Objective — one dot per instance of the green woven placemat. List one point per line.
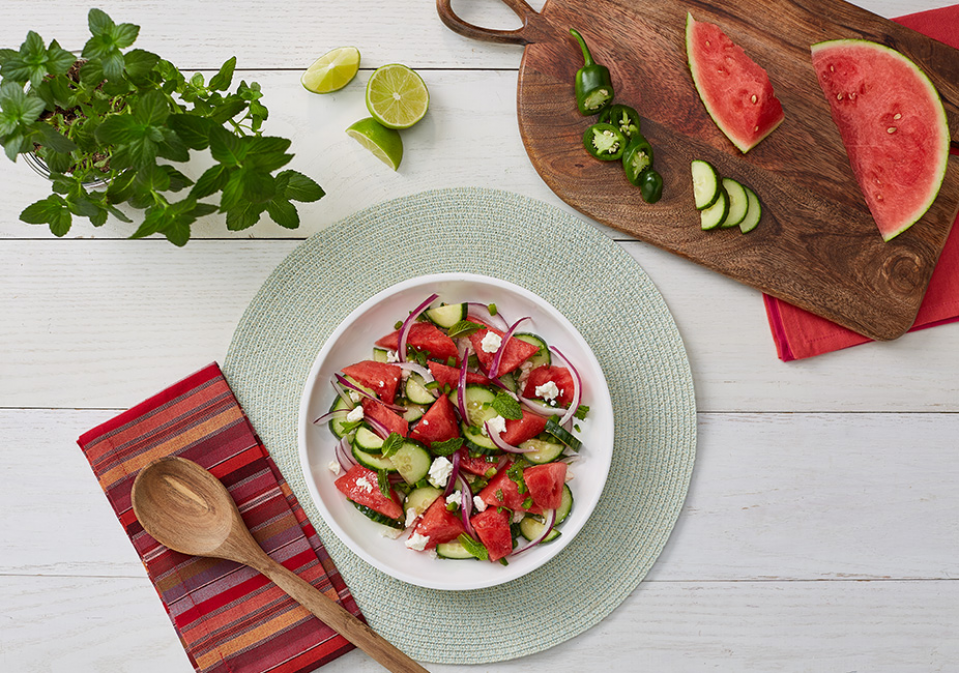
(616, 308)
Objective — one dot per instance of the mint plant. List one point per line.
(126, 116)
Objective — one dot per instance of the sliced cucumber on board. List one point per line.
(706, 184)
(753, 214)
(713, 216)
(738, 203)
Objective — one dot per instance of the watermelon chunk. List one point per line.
(380, 377)
(519, 430)
(492, 527)
(502, 491)
(438, 424)
(359, 484)
(892, 124)
(423, 336)
(558, 375)
(477, 465)
(545, 484)
(516, 351)
(391, 420)
(450, 376)
(439, 524)
(735, 89)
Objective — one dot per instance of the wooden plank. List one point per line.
(817, 246)
(104, 323)
(848, 496)
(110, 625)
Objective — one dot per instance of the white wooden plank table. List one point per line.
(821, 531)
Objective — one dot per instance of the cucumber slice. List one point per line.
(542, 451)
(738, 203)
(412, 461)
(379, 355)
(374, 461)
(706, 184)
(379, 518)
(562, 434)
(420, 499)
(453, 549)
(478, 401)
(753, 213)
(414, 412)
(540, 358)
(477, 441)
(715, 215)
(416, 390)
(565, 506)
(336, 424)
(531, 526)
(447, 315)
(367, 440)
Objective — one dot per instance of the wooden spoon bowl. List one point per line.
(190, 511)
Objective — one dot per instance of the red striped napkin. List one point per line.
(230, 618)
(799, 334)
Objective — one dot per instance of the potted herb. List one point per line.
(111, 124)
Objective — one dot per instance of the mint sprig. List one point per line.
(507, 407)
(463, 328)
(447, 447)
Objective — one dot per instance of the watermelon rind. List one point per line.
(888, 226)
(744, 141)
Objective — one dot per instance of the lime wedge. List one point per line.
(396, 96)
(332, 71)
(383, 142)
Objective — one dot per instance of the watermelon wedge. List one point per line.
(892, 124)
(735, 90)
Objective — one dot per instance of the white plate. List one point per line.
(353, 340)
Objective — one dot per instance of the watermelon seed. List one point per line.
(753, 99)
(897, 116)
(891, 129)
(839, 96)
(832, 68)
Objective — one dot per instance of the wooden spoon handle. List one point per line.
(530, 31)
(341, 621)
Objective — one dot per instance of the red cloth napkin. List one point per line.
(800, 334)
(230, 618)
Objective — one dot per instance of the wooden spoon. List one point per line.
(190, 511)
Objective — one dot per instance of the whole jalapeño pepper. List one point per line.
(594, 86)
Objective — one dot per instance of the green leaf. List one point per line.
(178, 180)
(462, 328)
(153, 178)
(222, 80)
(283, 213)
(197, 80)
(16, 144)
(243, 216)
(446, 448)
(152, 109)
(6, 54)
(267, 163)
(226, 111)
(474, 547)
(301, 187)
(172, 148)
(194, 131)
(383, 481)
(212, 181)
(124, 35)
(56, 141)
(153, 220)
(51, 210)
(139, 63)
(121, 187)
(507, 407)
(99, 22)
(91, 73)
(392, 444)
(515, 473)
(113, 64)
(59, 60)
(226, 147)
(232, 195)
(119, 130)
(258, 187)
(266, 145)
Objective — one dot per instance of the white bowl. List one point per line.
(353, 340)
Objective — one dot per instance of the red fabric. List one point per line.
(230, 618)
(799, 334)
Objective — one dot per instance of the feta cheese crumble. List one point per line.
(354, 396)
(479, 504)
(497, 424)
(335, 467)
(392, 356)
(491, 342)
(549, 391)
(356, 414)
(417, 542)
(410, 516)
(365, 484)
(455, 498)
(440, 472)
(391, 533)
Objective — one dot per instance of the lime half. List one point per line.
(332, 71)
(383, 142)
(396, 96)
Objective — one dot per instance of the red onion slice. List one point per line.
(381, 430)
(408, 323)
(461, 389)
(577, 387)
(451, 482)
(345, 396)
(481, 311)
(344, 455)
(330, 415)
(345, 382)
(500, 444)
(550, 516)
(416, 368)
(466, 505)
(494, 367)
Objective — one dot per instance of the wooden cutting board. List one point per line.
(817, 246)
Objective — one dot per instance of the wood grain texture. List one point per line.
(817, 246)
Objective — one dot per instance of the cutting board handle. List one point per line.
(531, 30)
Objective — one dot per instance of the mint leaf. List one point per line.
(383, 481)
(225, 147)
(392, 444)
(283, 213)
(212, 181)
(515, 473)
(462, 328)
(99, 22)
(50, 137)
(51, 210)
(193, 130)
(301, 188)
(124, 35)
(507, 407)
(446, 448)
(474, 547)
(222, 80)
(59, 60)
(139, 63)
(243, 216)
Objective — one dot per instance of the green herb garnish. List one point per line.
(392, 444)
(507, 407)
(447, 447)
(474, 547)
(462, 328)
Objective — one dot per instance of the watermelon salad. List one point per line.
(458, 433)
